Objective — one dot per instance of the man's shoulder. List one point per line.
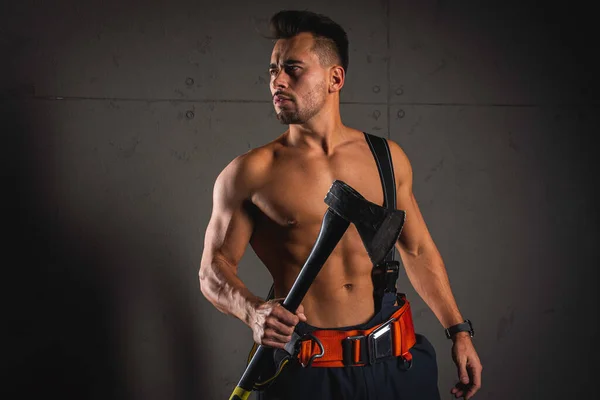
(400, 161)
(255, 160)
(249, 169)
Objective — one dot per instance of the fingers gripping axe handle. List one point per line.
(379, 229)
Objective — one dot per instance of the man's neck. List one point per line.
(323, 132)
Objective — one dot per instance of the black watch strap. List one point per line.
(462, 327)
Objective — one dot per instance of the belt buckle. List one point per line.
(380, 343)
(350, 339)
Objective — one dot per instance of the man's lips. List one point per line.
(278, 99)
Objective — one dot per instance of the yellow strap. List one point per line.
(259, 384)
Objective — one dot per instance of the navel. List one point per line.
(348, 286)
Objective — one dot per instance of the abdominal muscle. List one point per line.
(337, 300)
(341, 294)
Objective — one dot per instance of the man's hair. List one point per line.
(331, 41)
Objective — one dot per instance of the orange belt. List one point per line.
(335, 348)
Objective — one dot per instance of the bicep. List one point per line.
(415, 237)
(230, 227)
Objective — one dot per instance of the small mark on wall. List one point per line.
(203, 46)
(415, 126)
(126, 151)
(418, 313)
(180, 155)
(261, 80)
(435, 168)
(505, 325)
(511, 142)
(441, 65)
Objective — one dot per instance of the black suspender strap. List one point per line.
(381, 151)
(385, 274)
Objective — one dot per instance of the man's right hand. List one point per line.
(272, 325)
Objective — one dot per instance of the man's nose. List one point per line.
(279, 80)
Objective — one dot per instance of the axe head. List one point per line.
(378, 227)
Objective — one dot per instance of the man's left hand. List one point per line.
(469, 366)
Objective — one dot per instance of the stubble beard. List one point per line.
(289, 117)
(315, 100)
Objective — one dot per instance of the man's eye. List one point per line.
(291, 68)
(272, 71)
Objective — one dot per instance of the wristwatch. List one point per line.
(462, 327)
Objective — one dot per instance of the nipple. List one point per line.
(292, 222)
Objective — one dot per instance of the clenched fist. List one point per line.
(272, 325)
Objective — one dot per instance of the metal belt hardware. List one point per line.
(378, 345)
(385, 276)
(391, 276)
(318, 355)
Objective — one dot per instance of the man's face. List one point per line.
(298, 81)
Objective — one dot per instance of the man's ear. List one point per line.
(337, 79)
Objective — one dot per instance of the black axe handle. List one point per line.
(332, 230)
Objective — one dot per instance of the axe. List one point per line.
(378, 227)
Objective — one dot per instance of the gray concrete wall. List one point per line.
(118, 116)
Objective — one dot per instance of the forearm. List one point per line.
(224, 289)
(427, 274)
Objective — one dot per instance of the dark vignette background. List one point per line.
(117, 116)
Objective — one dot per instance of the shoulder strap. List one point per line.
(381, 152)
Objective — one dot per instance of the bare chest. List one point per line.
(294, 195)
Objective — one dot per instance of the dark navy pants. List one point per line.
(384, 380)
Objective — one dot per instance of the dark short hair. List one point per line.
(331, 41)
